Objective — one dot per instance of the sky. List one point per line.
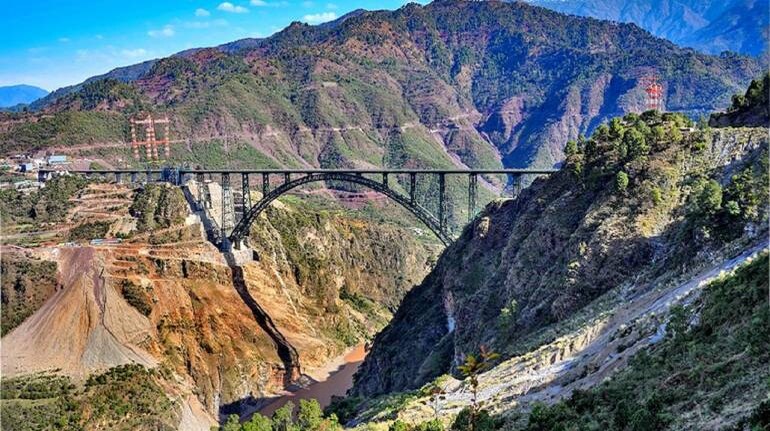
(55, 43)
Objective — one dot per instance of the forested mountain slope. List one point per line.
(453, 83)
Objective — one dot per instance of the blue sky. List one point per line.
(54, 43)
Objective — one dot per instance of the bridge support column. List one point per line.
(265, 184)
(286, 178)
(412, 187)
(118, 177)
(385, 179)
(226, 204)
(246, 194)
(442, 200)
(133, 177)
(148, 175)
(472, 186)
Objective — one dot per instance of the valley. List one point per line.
(453, 216)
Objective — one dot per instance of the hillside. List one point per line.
(643, 204)
(202, 335)
(453, 83)
(708, 26)
(13, 95)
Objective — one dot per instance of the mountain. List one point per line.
(577, 274)
(709, 26)
(453, 83)
(13, 95)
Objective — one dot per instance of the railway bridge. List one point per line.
(399, 185)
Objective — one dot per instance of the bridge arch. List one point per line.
(241, 230)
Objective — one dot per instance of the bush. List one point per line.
(621, 181)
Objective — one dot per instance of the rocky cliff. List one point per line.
(646, 198)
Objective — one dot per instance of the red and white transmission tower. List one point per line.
(150, 137)
(654, 90)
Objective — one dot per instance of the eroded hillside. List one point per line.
(164, 298)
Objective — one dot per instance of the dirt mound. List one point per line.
(84, 327)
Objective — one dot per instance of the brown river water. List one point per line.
(337, 382)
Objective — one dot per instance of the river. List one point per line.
(338, 379)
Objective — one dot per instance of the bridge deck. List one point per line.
(318, 171)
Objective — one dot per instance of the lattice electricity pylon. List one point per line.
(654, 90)
(150, 137)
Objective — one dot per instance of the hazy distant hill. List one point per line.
(710, 26)
(13, 95)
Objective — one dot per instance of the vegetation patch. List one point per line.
(90, 230)
(127, 397)
(158, 206)
(25, 284)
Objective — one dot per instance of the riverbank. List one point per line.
(334, 379)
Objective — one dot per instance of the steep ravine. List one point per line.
(285, 350)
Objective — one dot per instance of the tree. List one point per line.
(431, 425)
(398, 425)
(635, 143)
(310, 416)
(571, 148)
(616, 129)
(257, 423)
(232, 424)
(471, 369)
(463, 421)
(621, 181)
(282, 418)
(710, 198)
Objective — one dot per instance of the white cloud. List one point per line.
(258, 3)
(166, 31)
(331, 6)
(308, 4)
(229, 7)
(318, 18)
(64, 39)
(202, 12)
(99, 37)
(134, 53)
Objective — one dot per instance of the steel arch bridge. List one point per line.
(229, 233)
(436, 225)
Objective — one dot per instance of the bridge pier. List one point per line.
(412, 187)
(118, 177)
(265, 184)
(472, 187)
(227, 204)
(442, 201)
(385, 179)
(245, 192)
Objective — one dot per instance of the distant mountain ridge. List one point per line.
(710, 26)
(451, 84)
(13, 95)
